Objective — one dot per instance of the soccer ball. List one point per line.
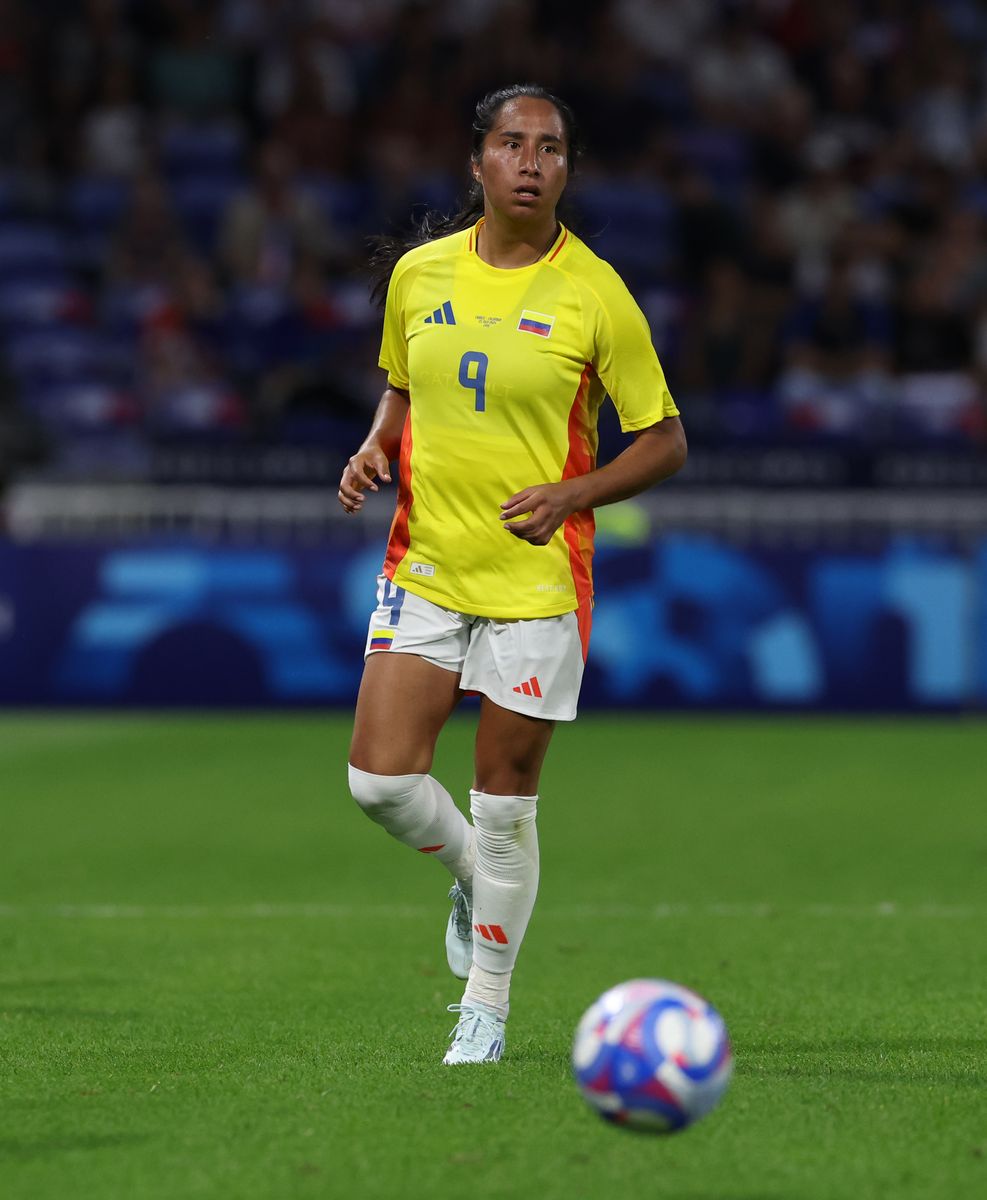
(652, 1055)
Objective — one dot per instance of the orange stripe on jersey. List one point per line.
(565, 235)
(580, 527)
(399, 538)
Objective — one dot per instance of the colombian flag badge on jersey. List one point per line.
(534, 322)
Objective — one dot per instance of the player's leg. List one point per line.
(406, 696)
(403, 704)
(529, 673)
(510, 750)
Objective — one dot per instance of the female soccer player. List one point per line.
(503, 333)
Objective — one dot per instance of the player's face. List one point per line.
(524, 166)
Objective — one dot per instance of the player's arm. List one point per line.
(656, 453)
(380, 448)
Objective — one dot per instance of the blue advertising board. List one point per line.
(686, 621)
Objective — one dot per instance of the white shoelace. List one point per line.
(461, 912)
(473, 1024)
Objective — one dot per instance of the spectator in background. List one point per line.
(779, 147)
(619, 115)
(850, 116)
(942, 116)
(183, 387)
(194, 74)
(252, 25)
(738, 74)
(769, 272)
(83, 45)
(717, 356)
(838, 358)
(668, 32)
(311, 117)
(16, 101)
(149, 247)
(274, 226)
(310, 56)
(113, 132)
(708, 230)
(979, 415)
(814, 212)
(410, 135)
(934, 354)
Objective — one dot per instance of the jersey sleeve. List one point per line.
(394, 343)
(625, 359)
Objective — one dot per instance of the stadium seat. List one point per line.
(32, 253)
(96, 202)
(720, 155)
(611, 217)
(82, 406)
(199, 410)
(127, 307)
(61, 353)
(27, 306)
(201, 203)
(187, 150)
(347, 204)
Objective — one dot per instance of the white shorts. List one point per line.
(533, 666)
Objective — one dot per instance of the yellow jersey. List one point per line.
(506, 370)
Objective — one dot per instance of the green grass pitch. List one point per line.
(218, 979)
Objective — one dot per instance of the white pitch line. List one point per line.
(885, 909)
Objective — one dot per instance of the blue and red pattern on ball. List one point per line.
(626, 1071)
(698, 1072)
(626, 1079)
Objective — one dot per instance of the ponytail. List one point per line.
(385, 250)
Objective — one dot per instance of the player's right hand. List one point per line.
(368, 463)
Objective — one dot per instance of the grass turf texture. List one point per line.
(258, 1010)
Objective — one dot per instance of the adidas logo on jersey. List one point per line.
(530, 688)
(442, 316)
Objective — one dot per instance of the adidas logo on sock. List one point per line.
(442, 316)
(492, 933)
(530, 688)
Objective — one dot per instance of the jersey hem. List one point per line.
(481, 610)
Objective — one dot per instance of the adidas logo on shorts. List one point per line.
(530, 688)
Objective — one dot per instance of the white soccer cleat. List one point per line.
(478, 1037)
(459, 933)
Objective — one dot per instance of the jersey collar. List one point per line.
(553, 251)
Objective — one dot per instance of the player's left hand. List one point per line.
(546, 504)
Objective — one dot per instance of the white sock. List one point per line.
(418, 811)
(486, 987)
(505, 882)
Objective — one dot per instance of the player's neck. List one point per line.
(503, 244)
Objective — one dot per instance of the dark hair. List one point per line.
(386, 250)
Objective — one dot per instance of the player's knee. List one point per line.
(508, 778)
(502, 818)
(378, 794)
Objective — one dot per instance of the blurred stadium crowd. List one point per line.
(795, 191)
